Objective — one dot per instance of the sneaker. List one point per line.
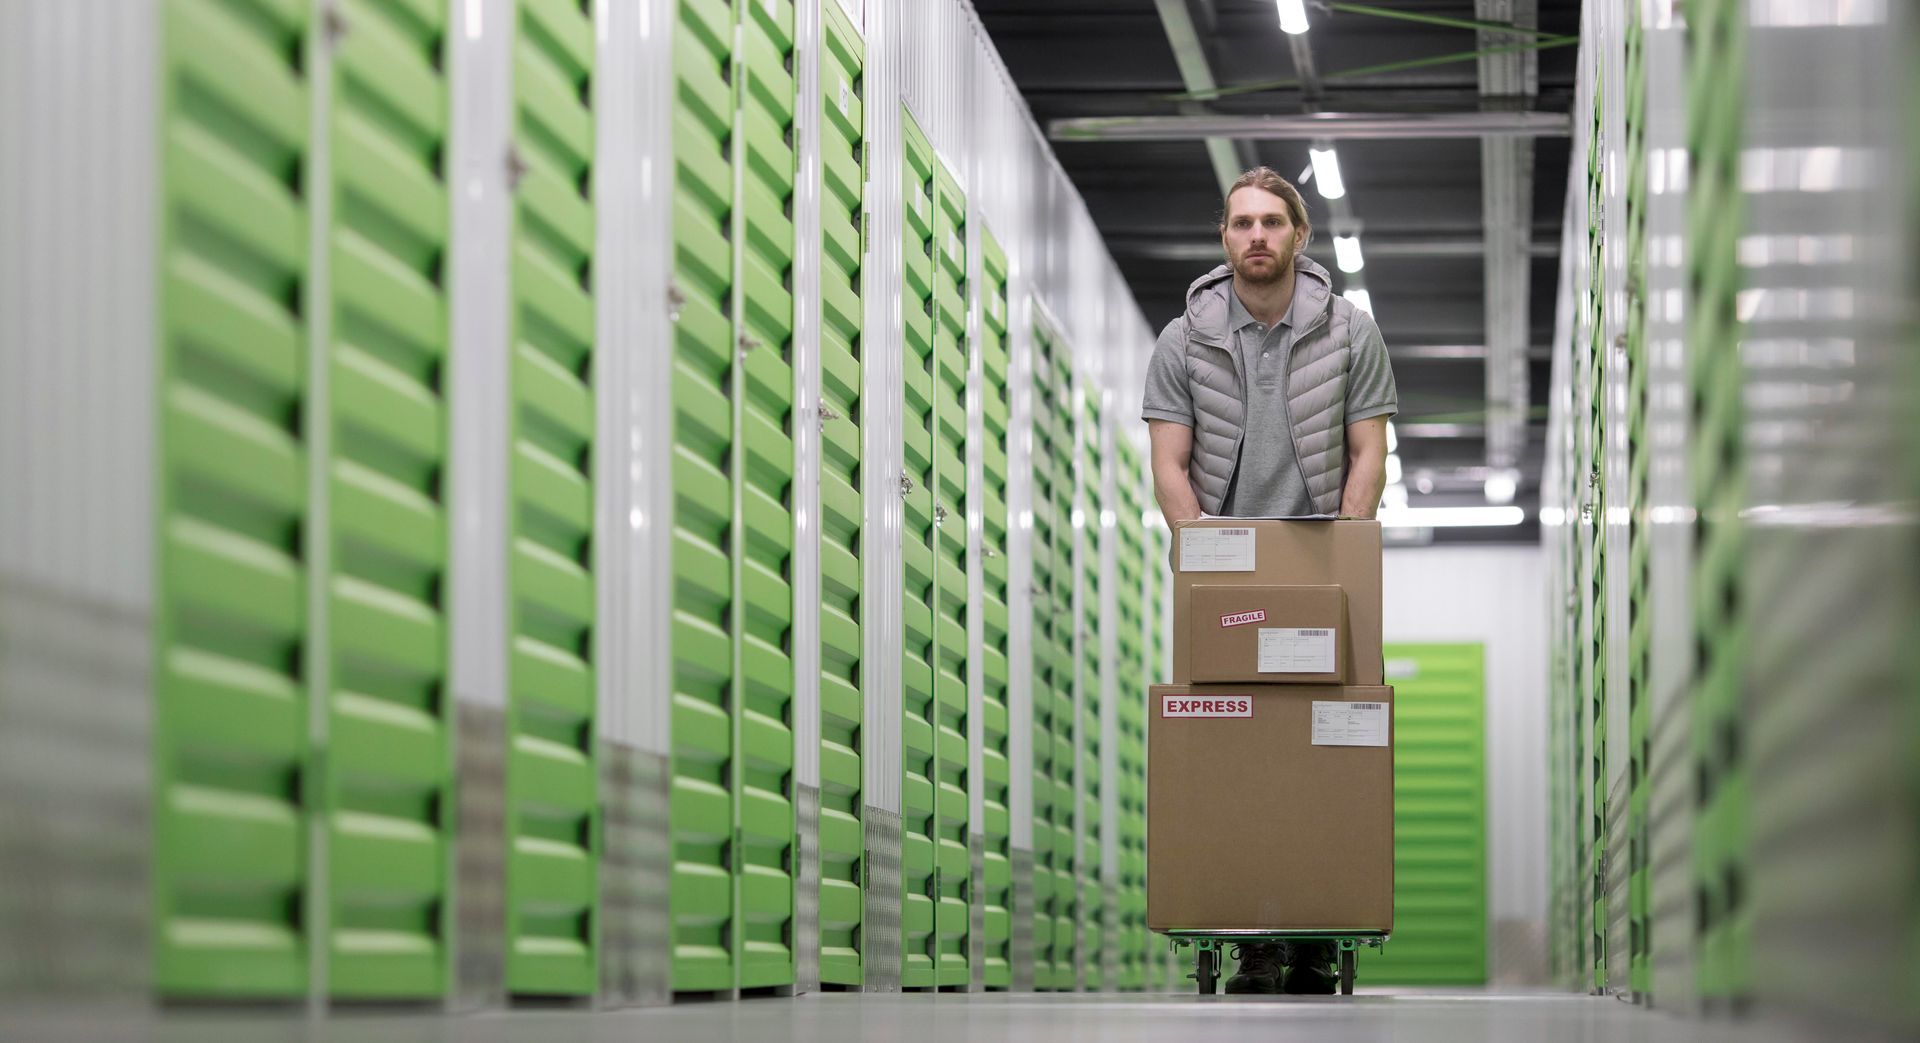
(1310, 969)
(1259, 971)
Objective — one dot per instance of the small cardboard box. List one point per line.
(1270, 807)
(1285, 635)
(1281, 553)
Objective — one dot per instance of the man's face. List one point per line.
(1260, 237)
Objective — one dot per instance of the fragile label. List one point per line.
(1207, 706)
(1351, 724)
(1240, 619)
(1207, 549)
(1290, 650)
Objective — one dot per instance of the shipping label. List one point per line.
(1240, 619)
(1206, 706)
(1351, 724)
(1206, 549)
(1292, 650)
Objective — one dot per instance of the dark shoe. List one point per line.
(1310, 969)
(1259, 971)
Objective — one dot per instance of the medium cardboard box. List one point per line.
(1282, 553)
(1270, 807)
(1270, 634)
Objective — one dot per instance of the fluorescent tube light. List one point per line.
(1346, 253)
(1326, 172)
(1450, 517)
(1293, 16)
(1361, 299)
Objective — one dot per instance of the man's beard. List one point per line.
(1282, 267)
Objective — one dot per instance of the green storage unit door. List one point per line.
(763, 469)
(1047, 621)
(1066, 880)
(1092, 912)
(704, 619)
(387, 783)
(1440, 819)
(230, 715)
(996, 765)
(552, 782)
(919, 822)
(1594, 532)
(1135, 943)
(953, 785)
(1715, 125)
(842, 509)
(1640, 619)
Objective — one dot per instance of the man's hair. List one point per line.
(1269, 180)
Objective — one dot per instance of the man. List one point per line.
(1269, 397)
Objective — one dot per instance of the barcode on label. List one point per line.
(1234, 532)
(1368, 706)
(1315, 633)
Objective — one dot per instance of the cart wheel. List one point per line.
(1206, 970)
(1348, 957)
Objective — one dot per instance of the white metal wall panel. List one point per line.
(482, 83)
(78, 219)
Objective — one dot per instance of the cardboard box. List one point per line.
(1270, 807)
(1265, 552)
(1272, 634)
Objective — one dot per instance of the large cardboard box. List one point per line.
(1270, 807)
(1251, 566)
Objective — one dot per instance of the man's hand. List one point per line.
(1366, 468)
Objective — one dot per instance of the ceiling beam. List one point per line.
(1506, 207)
(1316, 125)
(1229, 157)
(1379, 244)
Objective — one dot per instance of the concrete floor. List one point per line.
(1373, 1017)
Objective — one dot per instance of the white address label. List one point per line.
(1206, 706)
(1351, 724)
(1290, 650)
(1208, 549)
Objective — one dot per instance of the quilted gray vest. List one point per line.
(1316, 387)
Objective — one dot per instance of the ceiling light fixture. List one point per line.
(1501, 485)
(1450, 517)
(1346, 253)
(1326, 172)
(1293, 16)
(1361, 299)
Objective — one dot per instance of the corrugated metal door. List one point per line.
(388, 778)
(1135, 942)
(996, 767)
(1639, 578)
(919, 657)
(1715, 127)
(1066, 757)
(842, 510)
(1048, 619)
(230, 719)
(763, 325)
(1091, 464)
(1440, 818)
(952, 784)
(704, 621)
(552, 790)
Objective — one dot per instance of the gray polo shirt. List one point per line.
(1268, 481)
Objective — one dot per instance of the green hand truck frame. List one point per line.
(1208, 946)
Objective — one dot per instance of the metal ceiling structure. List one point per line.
(1450, 119)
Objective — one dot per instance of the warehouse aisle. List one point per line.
(1431, 1017)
